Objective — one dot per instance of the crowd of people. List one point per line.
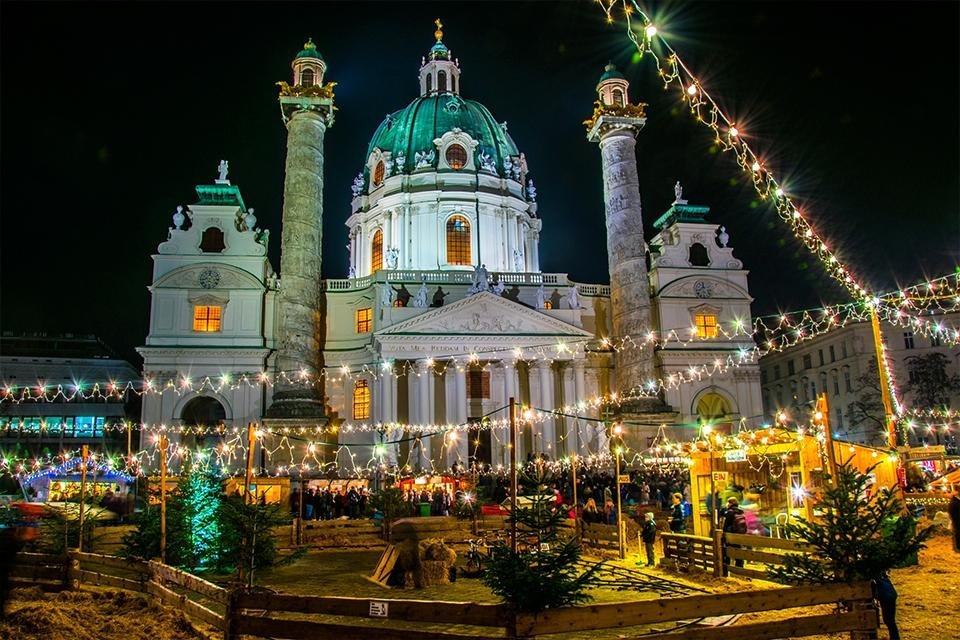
(330, 504)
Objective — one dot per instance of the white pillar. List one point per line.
(570, 438)
(387, 234)
(387, 413)
(424, 409)
(534, 259)
(580, 395)
(460, 412)
(548, 430)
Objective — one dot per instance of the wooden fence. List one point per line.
(684, 552)
(600, 536)
(757, 550)
(292, 616)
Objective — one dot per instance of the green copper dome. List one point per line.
(611, 72)
(414, 129)
(309, 50)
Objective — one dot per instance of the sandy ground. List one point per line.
(928, 605)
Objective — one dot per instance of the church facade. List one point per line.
(445, 313)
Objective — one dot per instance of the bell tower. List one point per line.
(307, 110)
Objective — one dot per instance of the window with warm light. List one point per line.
(306, 77)
(378, 172)
(361, 400)
(207, 318)
(547, 304)
(456, 156)
(364, 320)
(458, 240)
(376, 252)
(706, 324)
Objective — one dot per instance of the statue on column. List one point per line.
(393, 258)
(573, 297)
(223, 168)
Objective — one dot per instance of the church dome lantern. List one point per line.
(308, 66)
(612, 87)
(439, 73)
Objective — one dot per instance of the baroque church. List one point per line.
(445, 313)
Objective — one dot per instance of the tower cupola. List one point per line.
(612, 88)
(439, 73)
(308, 66)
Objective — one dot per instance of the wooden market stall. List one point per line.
(269, 490)
(775, 474)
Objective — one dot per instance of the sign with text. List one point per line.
(624, 479)
(378, 609)
(720, 476)
(735, 455)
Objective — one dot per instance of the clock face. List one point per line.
(703, 289)
(209, 278)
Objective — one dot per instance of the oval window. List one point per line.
(456, 156)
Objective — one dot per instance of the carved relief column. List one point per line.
(629, 286)
(300, 322)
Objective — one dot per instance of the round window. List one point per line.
(456, 156)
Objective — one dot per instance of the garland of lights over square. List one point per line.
(444, 304)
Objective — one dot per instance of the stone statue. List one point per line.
(541, 297)
(531, 191)
(351, 272)
(250, 220)
(393, 258)
(388, 167)
(438, 297)
(515, 170)
(178, 217)
(487, 162)
(723, 237)
(499, 288)
(420, 300)
(573, 297)
(357, 185)
(386, 294)
(223, 168)
(480, 281)
(273, 282)
(424, 158)
(507, 166)
(518, 260)
(503, 125)
(401, 162)
(678, 192)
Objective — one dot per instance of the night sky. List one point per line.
(111, 113)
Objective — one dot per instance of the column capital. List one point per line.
(607, 125)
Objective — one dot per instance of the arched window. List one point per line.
(306, 77)
(429, 82)
(618, 97)
(361, 400)
(453, 83)
(441, 81)
(456, 156)
(699, 256)
(376, 252)
(378, 172)
(713, 407)
(212, 241)
(458, 240)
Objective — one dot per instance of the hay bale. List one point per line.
(433, 572)
(425, 563)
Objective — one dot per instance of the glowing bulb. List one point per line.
(734, 132)
(692, 90)
(755, 166)
(650, 31)
(779, 192)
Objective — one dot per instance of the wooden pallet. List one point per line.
(385, 565)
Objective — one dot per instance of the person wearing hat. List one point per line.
(734, 522)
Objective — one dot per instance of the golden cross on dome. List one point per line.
(439, 32)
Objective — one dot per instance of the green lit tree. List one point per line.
(545, 571)
(856, 538)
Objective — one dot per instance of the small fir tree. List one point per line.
(856, 538)
(544, 572)
(249, 542)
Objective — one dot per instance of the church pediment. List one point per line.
(484, 314)
(704, 287)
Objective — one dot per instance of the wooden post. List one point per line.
(573, 469)
(300, 515)
(884, 377)
(251, 443)
(616, 484)
(163, 499)
(822, 415)
(514, 485)
(129, 448)
(83, 492)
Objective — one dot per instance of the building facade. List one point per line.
(444, 314)
(63, 369)
(843, 364)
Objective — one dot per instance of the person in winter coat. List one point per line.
(678, 524)
(734, 522)
(649, 536)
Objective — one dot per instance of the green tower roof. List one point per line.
(309, 50)
(611, 72)
(428, 117)
(682, 213)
